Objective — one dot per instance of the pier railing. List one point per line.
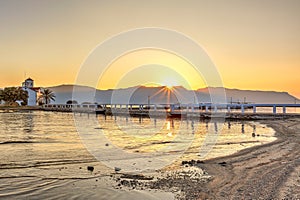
(173, 109)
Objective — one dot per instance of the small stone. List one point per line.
(253, 134)
(200, 161)
(117, 169)
(90, 168)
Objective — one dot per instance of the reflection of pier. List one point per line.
(203, 110)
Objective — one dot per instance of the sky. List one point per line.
(253, 44)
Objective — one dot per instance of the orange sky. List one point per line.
(151, 67)
(254, 44)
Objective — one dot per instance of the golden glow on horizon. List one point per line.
(170, 87)
(150, 67)
(169, 82)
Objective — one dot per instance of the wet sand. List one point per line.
(270, 171)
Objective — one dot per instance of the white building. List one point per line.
(28, 85)
(1, 101)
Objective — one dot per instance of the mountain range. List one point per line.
(163, 95)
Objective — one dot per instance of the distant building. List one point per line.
(33, 92)
(1, 101)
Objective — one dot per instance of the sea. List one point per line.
(45, 155)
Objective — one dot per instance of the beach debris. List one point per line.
(127, 183)
(137, 176)
(117, 169)
(174, 181)
(107, 144)
(184, 162)
(90, 168)
(253, 134)
(222, 164)
(192, 162)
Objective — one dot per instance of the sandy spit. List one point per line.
(270, 171)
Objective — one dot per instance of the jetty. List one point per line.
(201, 110)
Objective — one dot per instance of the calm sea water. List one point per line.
(45, 154)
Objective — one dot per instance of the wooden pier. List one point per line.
(202, 110)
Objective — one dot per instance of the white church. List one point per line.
(33, 92)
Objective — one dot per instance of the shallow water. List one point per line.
(45, 154)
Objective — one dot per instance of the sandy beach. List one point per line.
(270, 171)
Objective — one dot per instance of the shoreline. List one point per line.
(268, 171)
(260, 172)
(20, 108)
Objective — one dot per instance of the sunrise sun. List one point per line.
(170, 82)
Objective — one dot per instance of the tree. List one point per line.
(46, 96)
(13, 94)
(1, 95)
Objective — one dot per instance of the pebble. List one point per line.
(90, 168)
(117, 169)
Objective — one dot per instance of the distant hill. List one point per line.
(143, 95)
(254, 96)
